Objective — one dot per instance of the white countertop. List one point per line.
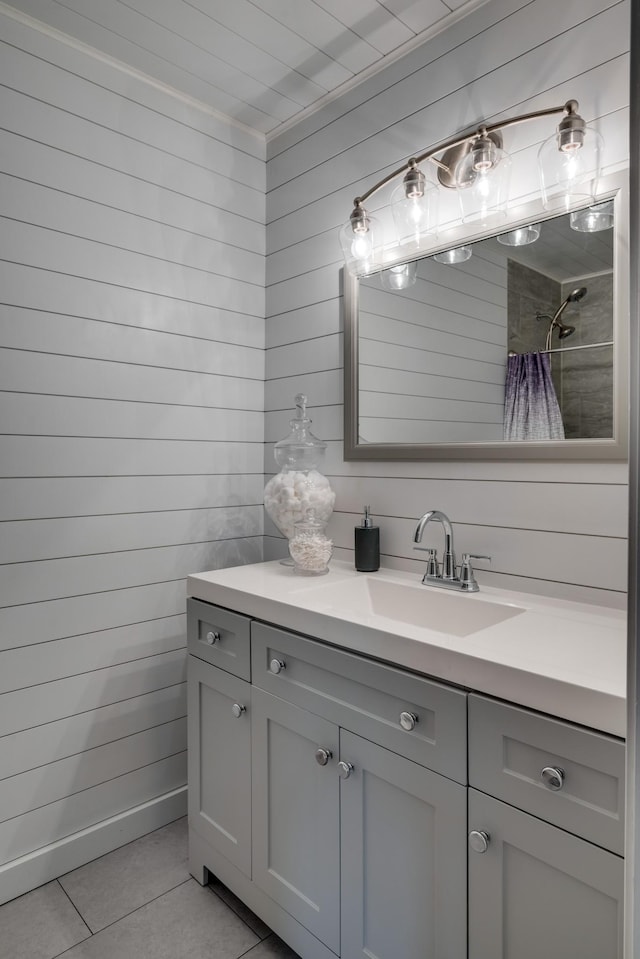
(563, 658)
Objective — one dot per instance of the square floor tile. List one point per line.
(114, 885)
(123, 880)
(189, 922)
(39, 925)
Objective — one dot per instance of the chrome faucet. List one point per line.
(446, 576)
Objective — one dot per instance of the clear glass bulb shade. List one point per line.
(482, 181)
(570, 177)
(593, 218)
(415, 218)
(457, 255)
(399, 277)
(522, 236)
(362, 247)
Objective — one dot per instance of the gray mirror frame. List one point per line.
(616, 448)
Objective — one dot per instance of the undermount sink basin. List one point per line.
(459, 614)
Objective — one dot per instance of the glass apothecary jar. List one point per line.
(299, 489)
(309, 547)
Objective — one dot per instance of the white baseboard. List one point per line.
(26, 873)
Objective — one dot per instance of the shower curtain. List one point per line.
(531, 410)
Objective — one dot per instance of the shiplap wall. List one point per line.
(558, 529)
(132, 431)
(431, 357)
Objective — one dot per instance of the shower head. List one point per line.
(564, 330)
(578, 294)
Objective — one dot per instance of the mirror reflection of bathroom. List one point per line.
(561, 301)
(434, 338)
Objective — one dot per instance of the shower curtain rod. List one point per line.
(565, 349)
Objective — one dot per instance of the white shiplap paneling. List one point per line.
(536, 520)
(131, 435)
(431, 357)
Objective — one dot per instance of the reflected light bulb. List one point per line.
(398, 278)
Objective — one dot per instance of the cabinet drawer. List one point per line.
(366, 697)
(219, 637)
(510, 747)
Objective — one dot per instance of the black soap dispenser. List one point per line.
(367, 545)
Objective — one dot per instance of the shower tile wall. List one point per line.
(583, 378)
(586, 390)
(529, 293)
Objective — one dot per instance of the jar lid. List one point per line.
(300, 450)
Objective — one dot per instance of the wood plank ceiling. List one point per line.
(262, 63)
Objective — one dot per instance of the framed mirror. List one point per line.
(435, 350)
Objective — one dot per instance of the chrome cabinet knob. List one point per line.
(553, 777)
(238, 710)
(344, 770)
(213, 637)
(408, 721)
(478, 840)
(276, 666)
(323, 756)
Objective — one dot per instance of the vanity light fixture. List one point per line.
(478, 168)
(482, 176)
(361, 238)
(569, 160)
(414, 205)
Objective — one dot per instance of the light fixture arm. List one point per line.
(569, 108)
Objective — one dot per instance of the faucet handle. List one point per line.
(432, 562)
(467, 578)
(432, 559)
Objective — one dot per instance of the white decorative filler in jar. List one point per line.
(309, 547)
(299, 488)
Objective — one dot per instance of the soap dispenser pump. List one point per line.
(367, 545)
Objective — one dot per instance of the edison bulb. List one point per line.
(361, 246)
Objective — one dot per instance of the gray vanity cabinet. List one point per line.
(219, 731)
(546, 821)
(367, 812)
(403, 856)
(296, 814)
(364, 845)
(538, 890)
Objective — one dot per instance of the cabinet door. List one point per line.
(404, 857)
(219, 757)
(296, 844)
(539, 891)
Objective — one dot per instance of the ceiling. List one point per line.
(262, 63)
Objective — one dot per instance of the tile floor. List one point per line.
(137, 902)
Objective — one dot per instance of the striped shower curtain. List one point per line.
(531, 410)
